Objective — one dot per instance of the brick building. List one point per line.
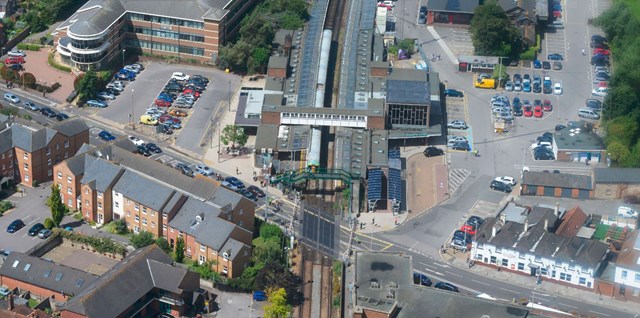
(110, 182)
(28, 151)
(561, 185)
(104, 30)
(617, 183)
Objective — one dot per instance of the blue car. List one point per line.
(107, 136)
(259, 295)
(526, 87)
(235, 182)
(537, 64)
(96, 103)
(555, 57)
(125, 75)
(165, 97)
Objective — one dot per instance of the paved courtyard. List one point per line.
(38, 66)
(78, 258)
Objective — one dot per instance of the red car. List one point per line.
(527, 111)
(602, 84)
(601, 51)
(537, 112)
(14, 60)
(546, 105)
(469, 229)
(385, 6)
(192, 92)
(167, 118)
(162, 103)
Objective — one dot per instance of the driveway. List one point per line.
(141, 93)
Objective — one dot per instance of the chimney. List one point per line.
(546, 224)
(494, 229)
(503, 218)
(11, 306)
(526, 225)
(557, 210)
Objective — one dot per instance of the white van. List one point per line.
(627, 212)
(387, 3)
(588, 113)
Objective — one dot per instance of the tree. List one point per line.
(277, 304)
(58, 209)
(276, 275)
(28, 80)
(163, 245)
(120, 226)
(180, 250)
(48, 223)
(87, 86)
(266, 250)
(259, 59)
(492, 32)
(268, 231)
(235, 135)
(142, 239)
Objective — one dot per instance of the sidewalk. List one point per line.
(459, 260)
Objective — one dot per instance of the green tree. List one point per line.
(492, 32)
(87, 86)
(58, 209)
(48, 223)
(234, 135)
(28, 80)
(163, 244)
(268, 230)
(120, 226)
(179, 256)
(266, 250)
(276, 275)
(259, 59)
(277, 306)
(142, 239)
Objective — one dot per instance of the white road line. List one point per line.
(567, 305)
(427, 265)
(434, 272)
(511, 291)
(454, 274)
(441, 265)
(444, 46)
(479, 282)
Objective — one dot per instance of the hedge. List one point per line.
(55, 65)
(28, 47)
(98, 244)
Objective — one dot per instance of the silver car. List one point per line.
(508, 86)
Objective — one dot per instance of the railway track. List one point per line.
(316, 275)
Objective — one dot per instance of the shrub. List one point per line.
(22, 46)
(48, 223)
(9, 111)
(27, 117)
(120, 226)
(55, 65)
(28, 79)
(5, 206)
(33, 47)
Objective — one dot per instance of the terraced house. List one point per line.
(111, 182)
(104, 30)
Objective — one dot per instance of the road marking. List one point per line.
(567, 305)
(442, 265)
(511, 291)
(428, 265)
(599, 313)
(386, 247)
(454, 274)
(434, 272)
(479, 282)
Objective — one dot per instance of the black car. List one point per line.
(256, 191)
(517, 110)
(598, 38)
(446, 286)
(248, 194)
(453, 93)
(48, 112)
(153, 148)
(432, 151)
(420, 279)
(115, 92)
(185, 170)
(560, 127)
(15, 226)
(537, 88)
(600, 60)
(500, 186)
(62, 116)
(460, 146)
(144, 151)
(35, 229)
(593, 104)
(475, 220)
(459, 235)
(200, 77)
(543, 153)
(546, 65)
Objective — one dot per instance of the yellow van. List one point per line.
(484, 83)
(148, 120)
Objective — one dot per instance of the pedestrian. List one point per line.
(237, 170)
(373, 221)
(44, 94)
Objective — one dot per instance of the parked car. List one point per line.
(475, 220)
(470, 229)
(186, 170)
(543, 153)
(460, 146)
(162, 103)
(627, 212)
(106, 136)
(17, 53)
(500, 186)
(546, 65)
(31, 106)
(453, 93)
(555, 57)
(600, 91)
(204, 170)
(546, 105)
(14, 60)
(447, 287)
(33, 231)
(48, 112)
(235, 182)
(259, 296)
(593, 104)
(116, 85)
(432, 151)
(153, 148)
(248, 194)
(180, 76)
(148, 120)
(44, 233)
(131, 68)
(127, 76)
(15, 226)
(106, 95)
(508, 86)
(557, 65)
(256, 191)
(96, 103)
(537, 64)
(177, 113)
(557, 89)
(11, 98)
(4, 292)
(506, 180)
(62, 116)
(457, 124)
(537, 112)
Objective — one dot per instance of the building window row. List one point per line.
(166, 47)
(322, 116)
(164, 20)
(168, 34)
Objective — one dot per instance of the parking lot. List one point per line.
(141, 93)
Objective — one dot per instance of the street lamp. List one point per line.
(132, 122)
(123, 50)
(229, 96)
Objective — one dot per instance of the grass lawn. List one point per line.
(634, 7)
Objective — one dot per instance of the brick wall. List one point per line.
(37, 291)
(64, 178)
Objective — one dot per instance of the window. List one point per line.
(48, 151)
(164, 227)
(26, 155)
(69, 190)
(493, 260)
(99, 206)
(136, 229)
(128, 202)
(544, 271)
(202, 248)
(153, 224)
(553, 274)
(479, 256)
(117, 204)
(137, 218)
(637, 278)
(66, 154)
(70, 202)
(153, 213)
(137, 207)
(582, 281)
(144, 221)
(480, 246)
(86, 202)
(99, 194)
(66, 143)
(171, 230)
(622, 289)
(49, 162)
(49, 172)
(521, 266)
(68, 179)
(505, 262)
(188, 248)
(26, 177)
(164, 215)
(26, 167)
(59, 175)
(624, 274)
(144, 209)
(566, 277)
(86, 191)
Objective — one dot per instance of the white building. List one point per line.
(627, 273)
(534, 249)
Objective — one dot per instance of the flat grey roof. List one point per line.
(267, 137)
(464, 6)
(274, 84)
(278, 62)
(408, 86)
(557, 180)
(577, 139)
(617, 175)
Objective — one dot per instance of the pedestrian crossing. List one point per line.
(456, 178)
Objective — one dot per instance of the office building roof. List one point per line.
(573, 139)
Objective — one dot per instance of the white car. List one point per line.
(508, 86)
(507, 180)
(117, 85)
(203, 170)
(11, 98)
(180, 76)
(136, 141)
(106, 95)
(457, 124)
(557, 89)
(17, 53)
(131, 68)
(542, 143)
(600, 91)
(627, 212)
(156, 110)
